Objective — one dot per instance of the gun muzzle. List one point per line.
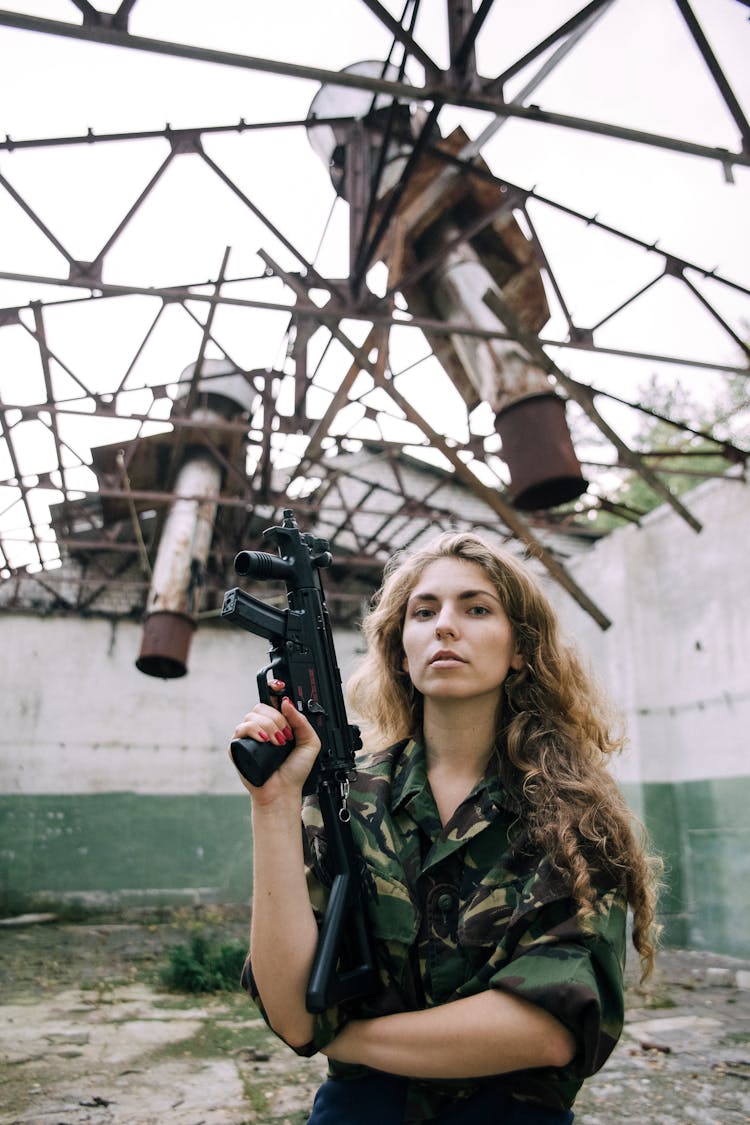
(259, 564)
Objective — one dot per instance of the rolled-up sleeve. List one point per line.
(574, 970)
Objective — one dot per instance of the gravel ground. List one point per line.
(89, 1036)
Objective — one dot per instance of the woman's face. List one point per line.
(457, 640)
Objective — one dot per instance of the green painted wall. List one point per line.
(702, 831)
(123, 848)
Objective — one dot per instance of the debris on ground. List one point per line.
(90, 1036)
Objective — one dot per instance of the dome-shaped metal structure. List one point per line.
(525, 211)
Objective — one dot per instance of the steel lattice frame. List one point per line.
(290, 449)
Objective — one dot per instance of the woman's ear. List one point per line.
(517, 662)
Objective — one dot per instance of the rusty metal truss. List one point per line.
(115, 349)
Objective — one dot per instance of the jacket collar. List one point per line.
(409, 778)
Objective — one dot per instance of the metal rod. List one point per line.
(35, 219)
(553, 37)
(11, 144)
(133, 209)
(442, 92)
(717, 316)
(628, 301)
(733, 452)
(405, 39)
(589, 220)
(464, 49)
(23, 489)
(717, 73)
(309, 268)
(544, 260)
(327, 316)
(468, 232)
(44, 355)
(492, 497)
(365, 257)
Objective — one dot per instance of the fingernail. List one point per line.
(287, 732)
(262, 736)
(280, 738)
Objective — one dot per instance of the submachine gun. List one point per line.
(303, 656)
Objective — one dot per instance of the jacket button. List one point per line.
(445, 902)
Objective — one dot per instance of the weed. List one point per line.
(199, 967)
(661, 1000)
(215, 1039)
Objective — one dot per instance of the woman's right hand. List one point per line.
(277, 727)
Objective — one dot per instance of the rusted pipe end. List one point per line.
(539, 453)
(165, 645)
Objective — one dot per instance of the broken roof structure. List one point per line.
(404, 338)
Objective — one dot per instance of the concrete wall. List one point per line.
(677, 661)
(116, 787)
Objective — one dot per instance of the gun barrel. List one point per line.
(259, 564)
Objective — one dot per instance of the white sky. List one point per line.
(636, 68)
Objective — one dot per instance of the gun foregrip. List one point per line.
(256, 761)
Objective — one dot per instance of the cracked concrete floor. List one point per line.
(89, 1037)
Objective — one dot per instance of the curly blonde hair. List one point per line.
(556, 730)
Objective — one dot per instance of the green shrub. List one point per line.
(201, 968)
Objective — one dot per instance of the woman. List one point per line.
(500, 857)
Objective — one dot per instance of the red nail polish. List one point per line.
(280, 738)
(288, 733)
(262, 736)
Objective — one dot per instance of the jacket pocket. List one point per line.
(484, 918)
(392, 912)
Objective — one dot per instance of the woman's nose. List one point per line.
(445, 624)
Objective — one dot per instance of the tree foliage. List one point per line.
(682, 458)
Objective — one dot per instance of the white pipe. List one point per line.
(499, 370)
(186, 539)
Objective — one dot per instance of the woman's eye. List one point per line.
(423, 613)
(479, 610)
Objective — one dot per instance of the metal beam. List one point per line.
(465, 25)
(332, 316)
(564, 29)
(492, 497)
(442, 92)
(405, 39)
(716, 72)
(461, 164)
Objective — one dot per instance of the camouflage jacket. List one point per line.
(459, 909)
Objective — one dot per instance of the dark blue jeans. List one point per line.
(378, 1099)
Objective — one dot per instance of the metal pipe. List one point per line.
(173, 598)
(185, 542)
(498, 369)
(530, 416)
